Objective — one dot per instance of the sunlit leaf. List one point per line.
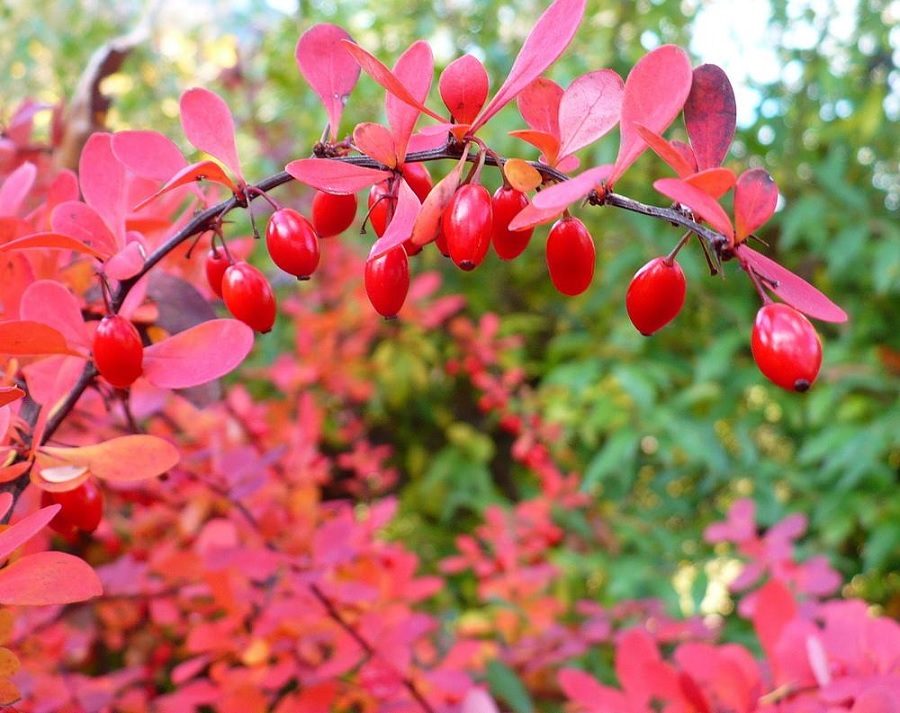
(538, 104)
(124, 459)
(51, 241)
(547, 40)
(328, 68)
(414, 68)
(50, 303)
(198, 355)
(102, 179)
(399, 230)
(665, 150)
(48, 578)
(710, 115)
(209, 126)
(755, 199)
(335, 176)
(550, 202)
(715, 182)
(200, 171)
(547, 144)
(655, 91)
(126, 263)
(793, 289)
(589, 108)
(464, 88)
(19, 533)
(522, 175)
(701, 203)
(84, 224)
(376, 142)
(27, 338)
(148, 154)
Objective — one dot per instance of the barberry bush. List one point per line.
(553, 477)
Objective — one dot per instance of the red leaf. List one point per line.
(383, 76)
(710, 115)
(702, 204)
(209, 126)
(26, 338)
(48, 578)
(414, 68)
(50, 303)
(655, 91)
(547, 144)
(18, 534)
(539, 105)
(666, 151)
(775, 607)
(464, 88)
(552, 201)
(198, 355)
(103, 185)
(335, 176)
(376, 142)
(6, 502)
(126, 263)
(51, 241)
(16, 187)
(715, 182)
(148, 154)
(589, 108)
(793, 289)
(200, 171)
(124, 459)
(583, 689)
(401, 226)
(328, 68)
(8, 394)
(755, 198)
(547, 40)
(85, 224)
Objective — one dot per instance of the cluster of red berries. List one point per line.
(784, 343)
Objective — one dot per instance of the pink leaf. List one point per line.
(9, 394)
(50, 303)
(383, 76)
(478, 700)
(464, 88)
(878, 699)
(710, 115)
(547, 40)
(401, 226)
(584, 690)
(793, 289)
(126, 263)
(103, 184)
(335, 176)
(775, 607)
(539, 105)
(198, 355)
(200, 171)
(209, 126)
(715, 182)
(124, 459)
(755, 198)
(16, 187)
(51, 241)
(414, 69)
(376, 142)
(26, 338)
(18, 534)
(666, 151)
(48, 578)
(328, 68)
(702, 204)
(590, 107)
(6, 502)
(148, 154)
(82, 222)
(552, 201)
(655, 91)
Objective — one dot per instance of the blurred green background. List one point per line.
(666, 431)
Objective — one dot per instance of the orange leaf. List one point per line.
(51, 241)
(522, 175)
(9, 663)
(201, 171)
(26, 338)
(9, 693)
(8, 394)
(124, 459)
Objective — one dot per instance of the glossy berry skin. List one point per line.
(292, 243)
(333, 213)
(570, 256)
(418, 178)
(216, 264)
(387, 281)
(786, 347)
(118, 351)
(506, 204)
(655, 295)
(248, 296)
(381, 207)
(82, 509)
(467, 223)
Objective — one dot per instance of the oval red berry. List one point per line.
(387, 281)
(292, 243)
(248, 296)
(506, 204)
(570, 256)
(333, 213)
(466, 223)
(216, 264)
(786, 347)
(656, 295)
(118, 351)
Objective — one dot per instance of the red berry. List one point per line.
(786, 347)
(506, 205)
(381, 207)
(82, 508)
(411, 247)
(655, 295)
(118, 351)
(292, 243)
(248, 296)
(570, 256)
(216, 264)
(333, 213)
(387, 281)
(418, 178)
(467, 222)
(441, 243)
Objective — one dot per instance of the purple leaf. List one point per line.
(700, 202)
(335, 176)
(710, 115)
(328, 68)
(589, 108)
(209, 126)
(755, 198)
(414, 70)
(793, 289)
(545, 43)
(655, 91)
(400, 228)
